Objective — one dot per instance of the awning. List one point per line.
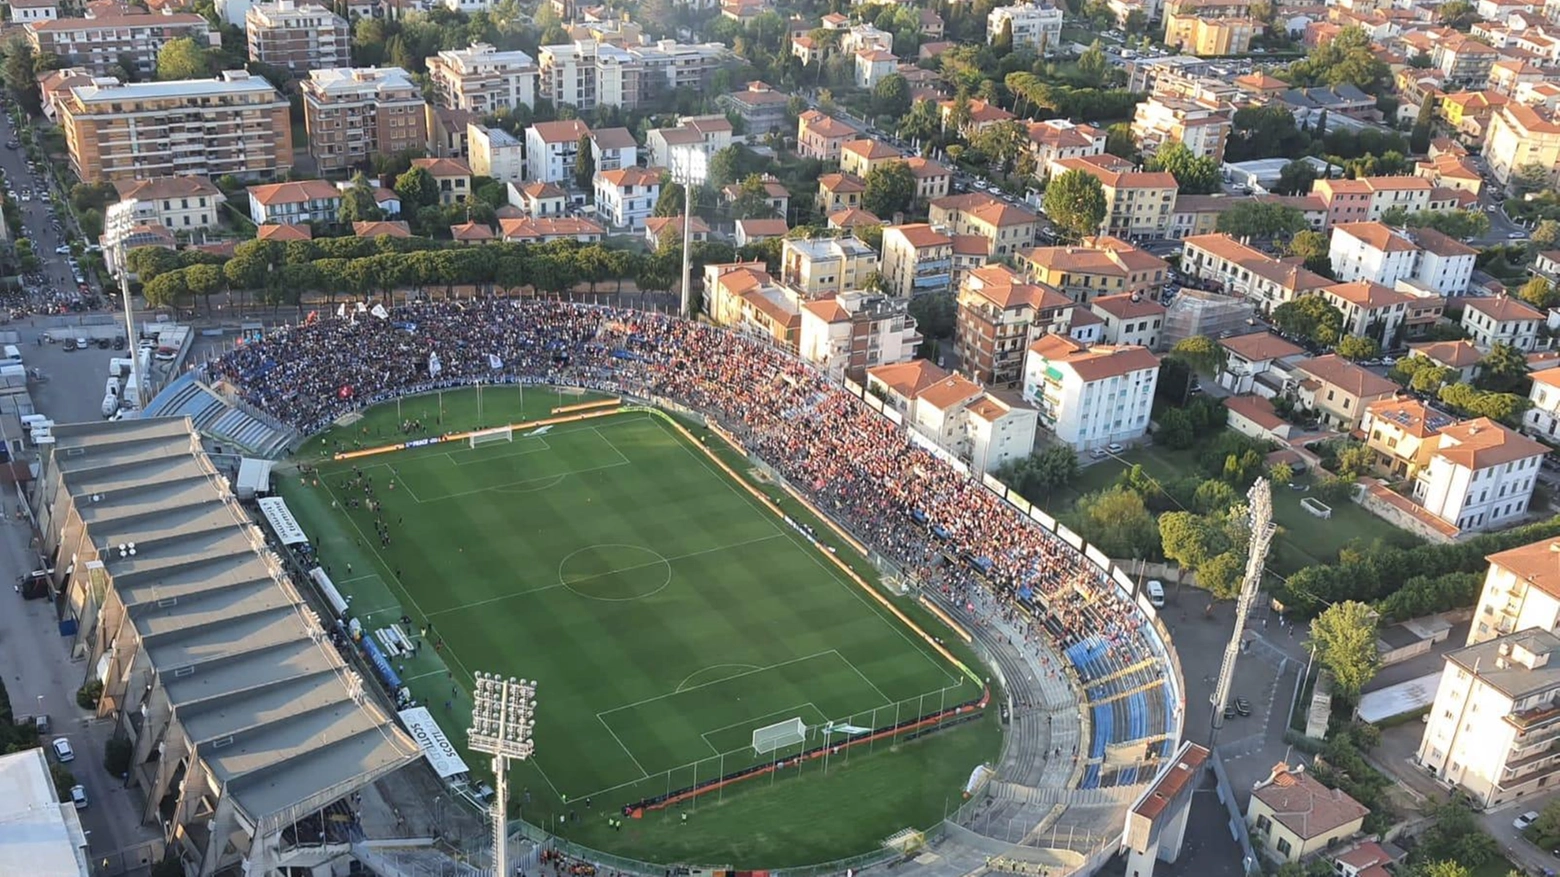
(431, 740)
(281, 520)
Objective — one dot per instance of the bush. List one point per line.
(87, 696)
(116, 756)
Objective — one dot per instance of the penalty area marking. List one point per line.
(691, 676)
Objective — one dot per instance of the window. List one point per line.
(1283, 847)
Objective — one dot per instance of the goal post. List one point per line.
(779, 735)
(489, 436)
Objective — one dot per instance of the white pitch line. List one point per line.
(852, 666)
(637, 703)
(643, 774)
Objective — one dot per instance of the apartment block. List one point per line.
(626, 197)
(590, 73)
(1008, 229)
(1522, 136)
(999, 317)
(1137, 203)
(956, 414)
(297, 36)
(483, 79)
(552, 149)
(1201, 127)
(917, 259)
(234, 124)
(1090, 396)
(1194, 25)
(847, 334)
(1056, 139)
(744, 296)
(1367, 198)
(1521, 592)
(23, 11)
(1543, 419)
(1234, 268)
(819, 266)
(1481, 476)
(1036, 26)
(101, 42)
(354, 113)
(1338, 390)
(1104, 266)
(1501, 320)
(496, 153)
(1371, 251)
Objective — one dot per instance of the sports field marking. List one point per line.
(695, 673)
(759, 721)
(812, 553)
(785, 663)
(615, 450)
(643, 774)
(357, 579)
(501, 488)
(521, 446)
(560, 584)
(857, 670)
(660, 560)
(538, 487)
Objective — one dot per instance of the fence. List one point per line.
(1237, 820)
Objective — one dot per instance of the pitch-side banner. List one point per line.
(434, 745)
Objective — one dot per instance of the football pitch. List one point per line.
(665, 613)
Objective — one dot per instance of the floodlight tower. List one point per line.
(502, 718)
(689, 168)
(1260, 521)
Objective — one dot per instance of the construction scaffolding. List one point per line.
(1198, 312)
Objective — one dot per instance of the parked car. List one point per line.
(1242, 706)
(1522, 822)
(1114, 448)
(78, 796)
(64, 753)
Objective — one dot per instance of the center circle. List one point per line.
(614, 572)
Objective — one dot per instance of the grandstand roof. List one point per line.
(264, 697)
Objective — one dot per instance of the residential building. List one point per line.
(495, 153)
(1367, 198)
(297, 36)
(585, 73)
(42, 834)
(874, 66)
(818, 266)
(839, 192)
(754, 230)
(1056, 139)
(106, 41)
(483, 79)
(848, 334)
(776, 195)
(1338, 390)
(1258, 363)
(1210, 27)
(235, 124)
(973, 426)
(1468, 113)
(1130, 319)
(452, 175)
(917, 259)
(762, 108)
(854, 217)
(1037, 26)
(1202, 127)
(545, 229)
(743, 296)
(55, 85)
(1239, 270)
(1460, 355)
(1521, 137)
(551, 149)
(1256, 417)
(704, 134)
(819, 136)
(294, 203)
(1445, 263)
(1490, 733)
(1370, 309)
(24, 11)
(859, 157)
(381, 228)
(1521, 592)
(978, 114)
(1373, 252)
(932, 180)
(1103, 266)
(1291, 815)
(999, 316)
(1137, 203)
(1404, 433)
(472, 233)
(1501, 320)
(626, 197)
(179, 204)
(1543, 419)
(660, 229)
(1009, 229)
(447, 130)
(1464, 59)
(538, 199)
(355, 113)
(1091, 396)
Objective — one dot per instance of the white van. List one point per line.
(32, 420)
(12, 354)
(112, 387)
(110, 405)
(1156, 594)
(119, 366)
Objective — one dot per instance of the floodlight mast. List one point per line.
(502, 720)
(690, 172)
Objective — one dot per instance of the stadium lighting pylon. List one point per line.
(502, 719)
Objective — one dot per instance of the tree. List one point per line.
(1193, 175)
(1175, 429)
(1202, 353)
(1344, 637)
(1539, 293)
(1075, 201)
(1546, 235)
(19, 73)
(1117, 522)
(891, 96)
(1261, 219)
(584, 164)
(1310, 317)
(922, 122)
(1120, 142)
(1424, 125)
(1002, 44)
(1296, 178)
(1530, 177)
(183, 58)
(1358, 347)
(1460, 224)
(1347, 58)
(1091, 64)
(1313, 247)
(670, 201)
(1189, 539)
(1265, 132)
(752, 200)
(358, 203)
(890, 189)
(418, 189)
(1503, 370)
(1221, 575)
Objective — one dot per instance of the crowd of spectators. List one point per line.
(935, 522)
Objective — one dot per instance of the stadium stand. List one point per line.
(215, 416)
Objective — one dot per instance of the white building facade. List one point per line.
(1090, 396)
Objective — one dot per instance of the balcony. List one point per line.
(1537, 717)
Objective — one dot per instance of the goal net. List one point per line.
(779, 735)
(489, 436)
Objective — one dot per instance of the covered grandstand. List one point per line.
(243, 716)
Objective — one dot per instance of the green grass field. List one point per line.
(665, 614)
